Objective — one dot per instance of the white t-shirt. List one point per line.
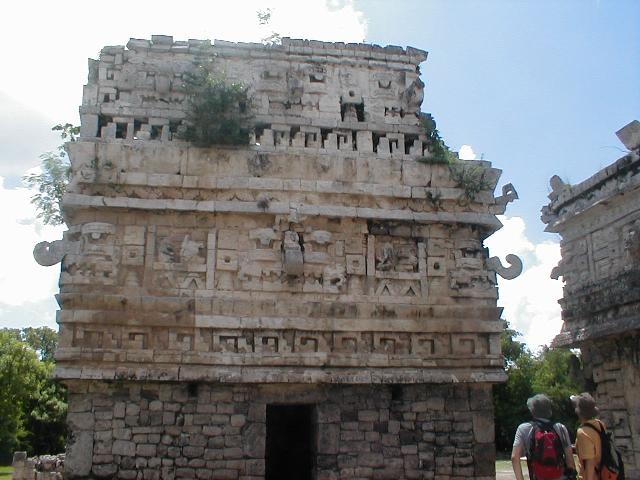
(523, 435)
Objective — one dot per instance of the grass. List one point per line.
(5, 473)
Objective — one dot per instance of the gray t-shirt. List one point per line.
(523, 435)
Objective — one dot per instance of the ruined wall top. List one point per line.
(138, 91)
(599, 221)
(331, 247)
(568, 200)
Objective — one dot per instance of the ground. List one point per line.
(5, 473)
(505, 472)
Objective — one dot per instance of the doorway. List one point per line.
(289, 447)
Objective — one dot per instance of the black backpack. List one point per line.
(611, 466)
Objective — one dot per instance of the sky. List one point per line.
(536, 87)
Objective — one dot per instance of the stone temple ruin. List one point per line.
(317, 304)
(599, 221)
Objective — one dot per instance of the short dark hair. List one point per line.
(540, 406)
(585, 405)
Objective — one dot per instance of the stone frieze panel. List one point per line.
(147, 340)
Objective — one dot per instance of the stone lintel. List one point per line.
(235, 374)
(576, 337)
(74, 201)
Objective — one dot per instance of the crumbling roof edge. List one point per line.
(288, 45)
(574, 338)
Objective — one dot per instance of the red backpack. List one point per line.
(546, 454)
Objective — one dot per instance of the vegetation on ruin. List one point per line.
(471, 179)
(51, 183)
(440, 152)
(548, 371)
(264, 18)
(33, 407)
(217, 112)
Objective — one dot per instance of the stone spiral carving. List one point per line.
(49, 253)
(509, 273)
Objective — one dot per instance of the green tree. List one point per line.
(548, 372)
(553, 377)
(512, 349)
(510, 398)
(217, 113)
(32, 406)
(43, 340)
(18, 372)
(45, 411)
(264, 18)
(51, 183)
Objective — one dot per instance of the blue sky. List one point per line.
(536, 87)
(539, 87)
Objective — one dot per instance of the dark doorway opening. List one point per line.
(289, 449)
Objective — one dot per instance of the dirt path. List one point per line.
(504, 471)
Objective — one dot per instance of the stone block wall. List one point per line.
(165, 431)
(331, 262)
(599, 221)
(613, 365)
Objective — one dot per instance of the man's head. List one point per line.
(585, 406)
(540, 406)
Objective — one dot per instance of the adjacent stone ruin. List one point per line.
(43, 467)
(317, 304)
(599, 221)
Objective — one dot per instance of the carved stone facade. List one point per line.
(328, 266)
(599, 221)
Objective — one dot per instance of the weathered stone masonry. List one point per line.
(599, 220)
(219, 431)
(326, 272)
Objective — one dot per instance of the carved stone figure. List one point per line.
(387, 259)
(293, 260)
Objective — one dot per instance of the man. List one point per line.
(588, 444)
(532, 435)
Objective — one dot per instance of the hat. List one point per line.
(585, 405)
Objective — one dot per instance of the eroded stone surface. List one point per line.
(415, 431)
(599, 221)
(329, 256)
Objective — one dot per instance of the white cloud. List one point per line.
(530, 301)
(24, 283)
(466, 153)
(52, 84)
(49, 65)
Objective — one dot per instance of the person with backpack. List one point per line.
(546, 445)
(599, 459)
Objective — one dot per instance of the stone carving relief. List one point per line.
(508, 273)
(293, 262)
(509, 194)
(49, 253)
(398, 266)
(631, 239)
(413, 96)
(181, 259)
(396, 256)
(471, 274)
(247, 342)
(92, 255)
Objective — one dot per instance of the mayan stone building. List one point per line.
(317, 304)
(599, 221)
